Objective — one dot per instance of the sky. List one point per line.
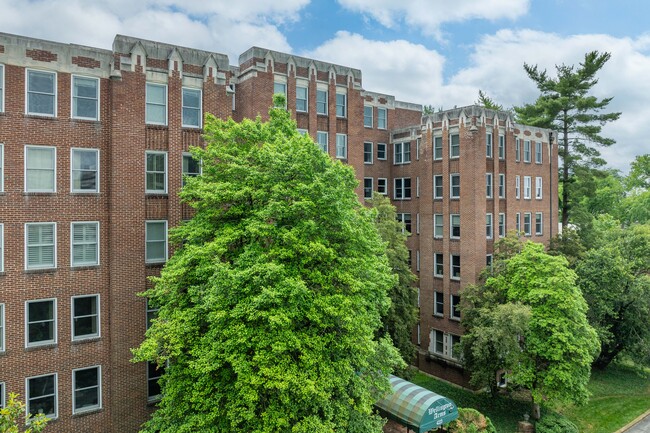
(431, 52)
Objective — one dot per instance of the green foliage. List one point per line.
(270, 305)
(471, 421)
(402, 316)
(12, 414)
(555, 423)
(639, 176)
(487, 102)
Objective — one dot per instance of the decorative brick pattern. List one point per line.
(86, 62)
(41, 55)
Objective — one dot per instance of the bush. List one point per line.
(471, 421)
(555, 423)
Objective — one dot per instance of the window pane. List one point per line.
(155, 94)
(42, 82)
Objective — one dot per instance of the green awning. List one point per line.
(415, 407)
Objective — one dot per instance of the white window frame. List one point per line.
(341, 109)
(73, 97)
(54, 321)
(97, 318)
(27, 92)
(517, 187)
(527, 187)
(2, 167)
(401, 189)
(527, 151)
(489, 261)
(407, 221)
(489, 145)
(437, 150)
(437, 265)
(518, 222)
(165, 172)
(452, 146)
(2, 252)
(3, 346)
(2, 92)
(323, 146)
(528, 216)
(28, 397)
(502, 146)
(538, 152)
(539, 216)
(3, 392)
(371, 153)
(146, 103)
(489, 226)
(437, 336)
(73, 170)
(342, 146)
(72, 243)
(200, 108)
(451, 267)
(489, 186)
(383, 190)
(438, 300)
(53, 150)
(452, 225)
(188, 173)
(382, 121)
(517, 149)
(365, 188)
(402, 152)
(385, 150)
(147, 241)
(538, 188)
(502, 224)
(319, 102)
(451, 186)
(306, 99)
(438, 178)
(279, 87)
(454, 307)
(365, 116)
(98, 386)
(502, 185)
(438, 226)
(54, 245)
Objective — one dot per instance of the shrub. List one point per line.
(555, 423)
(471, 421)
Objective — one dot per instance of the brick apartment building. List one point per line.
(93, 149)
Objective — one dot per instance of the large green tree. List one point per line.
(270, 306)
(12, 418)
(566, 105)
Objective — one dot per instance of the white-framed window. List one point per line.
(279, 88)
(41, 93)
(417, 148)
(438, 225)
(454, 185)
(191, 167)
(405, 218)
(321, 140)
(341, 146)
(382, 118)
(402, 188)
(192, 107)
(40, 245)
(502, 225)
(40, 322)
(2, 336)
(367, 116)
(539, 224)
(86, 389)
(155, 241)
(152, 312)
(41, 395)
(417, 265)
(85, 317)
(437, 342)
(502, 146)
(526, 150)
(154, 373)
(517, 149)
(488, 185)
(489, 226)
(2, 167)
(155, 172)
(321, 101)
(381, 151)
(538, 188)
(341, 105)
(517, 187)
(455, 267)
(438, 264)
(84, 239)
(438, 304)
(488, 145)
(156, 104)
(527, 187)
(437, 187)
(454, 311)
(40, 169)
(538, 152)
(2, 254)
(84, 170)
(437, 148)
(3, 393)
(2, 93)
(382, 185)
(488, 261)
(302, 99)
(527, 224)
(367, 152)
(454, 226)
(454, 145)
(367, 187)
(85, 98)
(402, 153)
(518, 222)
(502, 185)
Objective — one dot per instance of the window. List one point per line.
(518, 222)
(488, 145)
(154, 372)
(192, 106)
(417, 266)
(341, 105)
(526, 150)
(438, 304)
(538, 152)
(402, 188)
(445, 345)
(488, 185)
(85, 170)
(502, 185)
(191, 167)
(40, 169)
(488, 226)
(437, 147)
(367, 116)
(156, 241)
(402, 153)
(527, 187)
(437, 342)
(321, 101)
(454, 313)
(454, 185)
(41, 395)
(301, 98)
(438, 264)
(2, 395)
(85, 98)
(341, 146)
(367, 187)
(417, 149)
(41, 93)
(367, 153)
(40, 245)
(488, 261)
(85, 317)
(538, 188)
(156, 104)
(85, 244)
(87, 389)
(152, 312)
(382, 185)
(156, 172)
(454, 226)
(382, 122)
(405, 218)
(454, 145)
(2, 260)
(438, 225)
(321, 140)
(2, 166)
(502, 146)
(381, 151)
(2, 336)
(539, 226)
(2, 103)
(502, 225)
(280, 88)
(455, 267)
(527, 224)
(517, 149)
(40, 328)
(454, 341)
(517, 187)
(437, 187)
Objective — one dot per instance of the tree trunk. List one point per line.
(565, 174)
(536, 412)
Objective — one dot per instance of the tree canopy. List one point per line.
(270, 306)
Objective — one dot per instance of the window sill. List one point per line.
(39, 193)
(40, 116)
(87, 412)
(81, 340)
(191, 128)
(444, 358)
(155, 264)
(41, 346)
(84, 267)
(85, 120)
(455, 319)
(156, 194)
(40, 271)
(152, 401)
(161, 126)
(85, 193)
(438, 276)
(456, 279)
(438, 315)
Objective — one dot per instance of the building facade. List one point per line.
(93, 149)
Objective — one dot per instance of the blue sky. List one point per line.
(437, 52)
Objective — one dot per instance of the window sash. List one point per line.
(454, 145)
(454, 312)
(41, 93)
(86, 389)
(517, 187)
(454, 185)
(367, 116)
(454, 226)
(321, 101)
(156, 172)
(367, 187)
(502, 146)
(381, 118)
(301, 98)
(502, 185)
(438, 264)
(526, 150)
(488, 185)
(367, 152)
(439, 304)
(402, 153)
(437, 187)
(85, 244)
(85, 317)
(155, 241)
(455, 267)
(191, 107)
(40, 169)
(381, 151)
(527, 222)
(154, 373)
(402, 188)
(538, 188)
(382, 185)
(156, 104)
(2, 339)
(2, 97)
(341, 105)
(538, 152)
(502, 225)
(42, 396)
(40, 244)
(488, 145)
(517, 149)
(539, 224)
(85, 98)
(40, 318)
(488, 226)
(438, 226)
(527, 187)
(85, 170)
(341, 146)
(437, 148)
(321, 140)
(2, 258)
